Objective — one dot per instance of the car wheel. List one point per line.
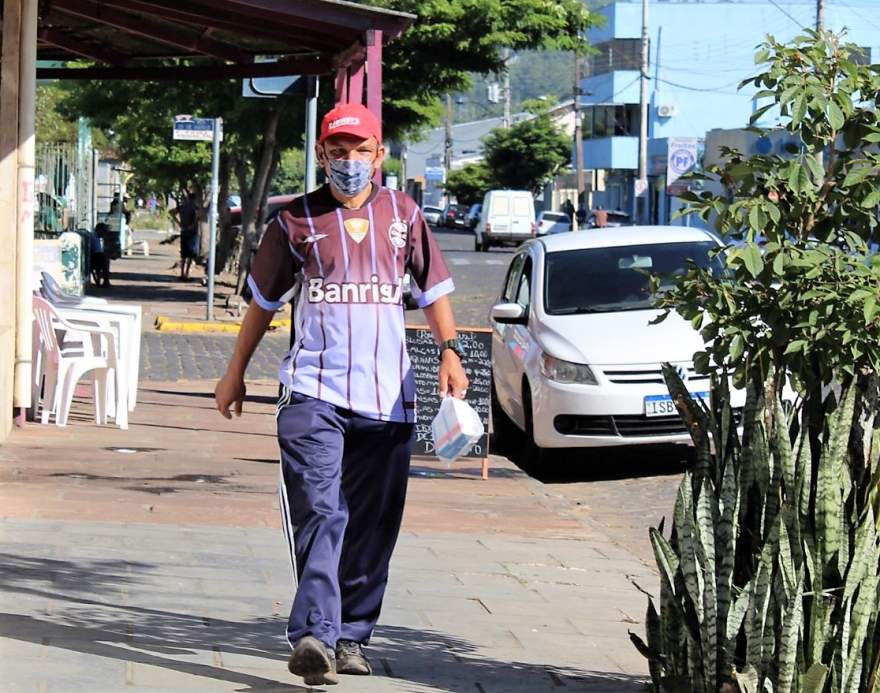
(484, 246)
(535, 454)
(503, 429)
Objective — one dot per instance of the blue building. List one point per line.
(699, 51)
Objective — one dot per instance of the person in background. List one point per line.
(188, 216)
(98, 259)
(601, 217)
(568, 210)
(581, 216)
(115, 207)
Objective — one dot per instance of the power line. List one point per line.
(860, 15)
(718, 90)
(787, 13)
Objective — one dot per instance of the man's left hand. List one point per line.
(453, 381)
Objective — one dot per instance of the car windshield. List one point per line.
(605, 280)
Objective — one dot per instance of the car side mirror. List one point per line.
(509, 314)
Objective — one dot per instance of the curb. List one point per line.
(166, 324)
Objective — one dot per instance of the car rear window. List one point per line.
(551, 216)
(521, 207)
(500, 205)
(605, 280)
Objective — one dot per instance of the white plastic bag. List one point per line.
(455, 429)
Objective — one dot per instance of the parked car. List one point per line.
(454, 216)
(616, 217)
(473, 215)
(507, 218)
(552, 222)
(432, 214)
(575, 362)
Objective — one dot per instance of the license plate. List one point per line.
(662, 405)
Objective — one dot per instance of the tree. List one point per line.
(769, 580)
(290, 173)
(451, 39)
(469, 183)
(528, 154)
(142, 137)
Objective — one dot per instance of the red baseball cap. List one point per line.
(350, 119)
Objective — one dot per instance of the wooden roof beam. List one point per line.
(306, 65)
(152, 31)
(76, 46)
(321, 15)
(184, 12)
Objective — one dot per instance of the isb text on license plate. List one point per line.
(662, 405)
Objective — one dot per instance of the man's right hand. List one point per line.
(230, 392)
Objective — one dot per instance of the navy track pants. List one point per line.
(342, 491)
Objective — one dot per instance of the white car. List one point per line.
(552, 222)
(574, 361)
(506, 218)
(432, 214)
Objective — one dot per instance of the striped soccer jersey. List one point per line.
(349, 344)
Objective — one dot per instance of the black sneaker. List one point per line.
(314, 661)
(350, 659)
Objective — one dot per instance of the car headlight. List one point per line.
(566, 372)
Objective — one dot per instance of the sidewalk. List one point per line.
(154, 281)
(153, 559)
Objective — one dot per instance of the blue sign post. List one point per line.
(206, 130)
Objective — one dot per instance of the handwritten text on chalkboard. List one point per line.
(423, 353)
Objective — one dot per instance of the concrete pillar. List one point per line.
(27, 97)
(10, 63)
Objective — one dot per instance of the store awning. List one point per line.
(144, 39)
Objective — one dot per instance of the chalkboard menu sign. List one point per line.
(477, 346)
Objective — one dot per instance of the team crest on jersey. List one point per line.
(397, 233)
(357, 229)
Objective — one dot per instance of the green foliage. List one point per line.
(806, 301)
(469, 183)
(392, 166)
(142, 135)
(290, 174)
(528, 154)
(51, 126)
(770, 577)
(453, 38)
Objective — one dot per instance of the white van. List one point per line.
(507, 218)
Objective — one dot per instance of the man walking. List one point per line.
(347, 406)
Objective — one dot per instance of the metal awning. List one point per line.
(145, 39)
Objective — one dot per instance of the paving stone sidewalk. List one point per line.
(152, 559)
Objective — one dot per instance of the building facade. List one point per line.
(699, 51)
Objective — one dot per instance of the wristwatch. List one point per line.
(454, 345)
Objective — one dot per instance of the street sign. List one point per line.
(186, 127)
(640, 185)
(434, 173)
(681, 159)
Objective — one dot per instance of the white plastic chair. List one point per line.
(64, 368)
(129, 343)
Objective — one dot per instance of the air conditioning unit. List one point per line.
(667, 110)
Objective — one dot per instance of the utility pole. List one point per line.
(578, 135)
(643, 121)
(506, 88)
(447, 154)
(820, 15)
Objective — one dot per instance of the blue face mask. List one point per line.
(350, 176)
